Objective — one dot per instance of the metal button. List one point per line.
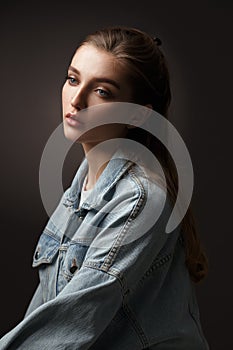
(74, 266)
(37, 254)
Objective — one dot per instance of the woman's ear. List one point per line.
(140, 117)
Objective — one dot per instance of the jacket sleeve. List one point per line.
(80, 313)
(36, 301)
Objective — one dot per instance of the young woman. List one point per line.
(110, 275)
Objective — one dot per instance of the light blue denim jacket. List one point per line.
(110, 278)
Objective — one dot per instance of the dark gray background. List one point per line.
(37, 42)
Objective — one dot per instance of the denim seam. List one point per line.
(194, 318)
(156, 264)
(117, 244)
(124, 290)
(51, 234)
(113, 272)
(121, 279)
(137, 327)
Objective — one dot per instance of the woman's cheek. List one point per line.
(66, 93)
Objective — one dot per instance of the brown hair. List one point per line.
(149, 75)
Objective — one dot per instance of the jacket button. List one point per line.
(37, 255)
(74, 266)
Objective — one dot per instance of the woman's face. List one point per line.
(94, 77)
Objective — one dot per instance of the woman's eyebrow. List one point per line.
(99, 79)
(74, 70)
(107, 80)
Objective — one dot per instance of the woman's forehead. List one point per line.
(88, 56)
(91, 62)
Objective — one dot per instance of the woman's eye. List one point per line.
(72, 80)
(103, 93)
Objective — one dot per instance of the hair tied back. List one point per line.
(157, 41)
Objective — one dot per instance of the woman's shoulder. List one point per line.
(141, 194)
(144, 180)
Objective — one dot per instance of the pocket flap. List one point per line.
(46, 250)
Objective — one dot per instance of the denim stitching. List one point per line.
(124, 290)
(116, 245)
(137, 327)
(157, 263)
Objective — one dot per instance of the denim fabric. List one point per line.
(110, 277)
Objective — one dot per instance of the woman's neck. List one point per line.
(97, 158)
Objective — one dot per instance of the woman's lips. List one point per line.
(72, 119)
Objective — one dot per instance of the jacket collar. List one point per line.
(115, 168)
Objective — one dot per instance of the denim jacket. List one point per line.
(110, 277)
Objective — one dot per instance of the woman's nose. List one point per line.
(79, 99)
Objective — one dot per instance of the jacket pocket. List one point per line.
(73, 260)
(46, 250)
(45, 258)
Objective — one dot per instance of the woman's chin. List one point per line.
(71, 134)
